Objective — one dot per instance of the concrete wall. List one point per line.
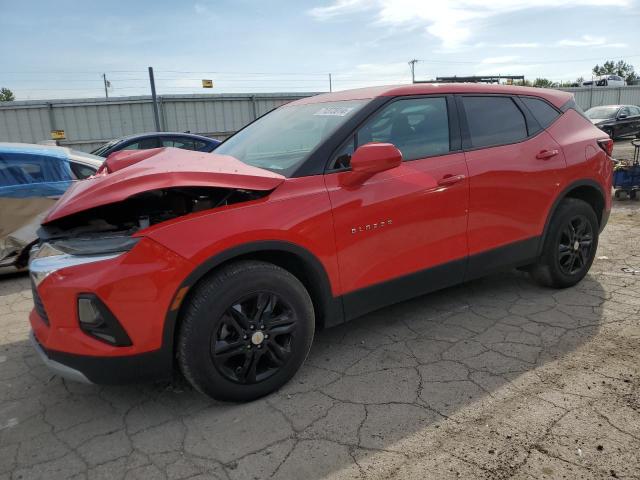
(90, 122)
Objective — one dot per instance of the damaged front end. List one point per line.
(101, 217)
(109, 228)
(107, 231)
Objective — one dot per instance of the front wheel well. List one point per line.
(307, 274)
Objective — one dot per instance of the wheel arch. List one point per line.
(297, 260)
(587, 190)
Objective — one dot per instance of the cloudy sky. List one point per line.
(60, 49)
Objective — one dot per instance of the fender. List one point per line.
(329, 308)
(561, 196)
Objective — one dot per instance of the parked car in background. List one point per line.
(605, 81)
(144, 141)
(320, 211)
(616, 120)
(32, 178)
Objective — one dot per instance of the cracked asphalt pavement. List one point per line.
(497, 378)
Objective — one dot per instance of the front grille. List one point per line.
(37, 303)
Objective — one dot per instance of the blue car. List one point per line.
(32, 178)
(144, 141)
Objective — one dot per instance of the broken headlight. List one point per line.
(52, 256)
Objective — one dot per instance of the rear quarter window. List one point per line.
(544, 113)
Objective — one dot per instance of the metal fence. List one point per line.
(88, 123)
(588, 97)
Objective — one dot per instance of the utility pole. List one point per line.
(412, 64)
(107, 83)
(330, 86)
(154, 99)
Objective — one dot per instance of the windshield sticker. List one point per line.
(334, 111)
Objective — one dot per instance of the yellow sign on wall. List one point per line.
(57, 135)
(207, 83)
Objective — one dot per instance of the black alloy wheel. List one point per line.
(254, 338)
(576, 242)
(245, 329)
(569, 247)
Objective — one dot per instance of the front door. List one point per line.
(401, 232)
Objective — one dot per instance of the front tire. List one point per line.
(570, 245)
(245, 332)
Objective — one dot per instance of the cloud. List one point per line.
(338, 8)
(507, 69)
(451, 21)
(503, 59)
(583, 41)
(520, 45)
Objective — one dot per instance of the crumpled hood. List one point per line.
(158, 169)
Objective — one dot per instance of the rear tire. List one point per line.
(245, 332)
(570, 245)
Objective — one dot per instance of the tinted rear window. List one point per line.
(494, 121)
(541, 110)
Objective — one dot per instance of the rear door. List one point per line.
(402, 232)
(514, 170)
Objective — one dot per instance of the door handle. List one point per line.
(546, 154)
(450, 180)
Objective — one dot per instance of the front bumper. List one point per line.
(56, 367)
(137, 287)
(145, 367)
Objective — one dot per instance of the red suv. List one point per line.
(325, 209)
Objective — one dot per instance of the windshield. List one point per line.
(283, 139)
(100, 150)
(601, 112)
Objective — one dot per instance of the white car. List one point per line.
(605, 81)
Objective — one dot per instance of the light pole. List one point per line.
(107, 84)
(412, 64)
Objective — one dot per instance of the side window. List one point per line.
(19, 172)
(81, 171)
(494, 121)
(132, 146)
(199, 145)
(143, 144)
(419, 127)
(634, 111)
(177, 142)
(541, 110)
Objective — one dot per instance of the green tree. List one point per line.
(620, 67)
(6, 95)
(544, 83)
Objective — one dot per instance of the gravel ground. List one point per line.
(497, 378)
(622, 149)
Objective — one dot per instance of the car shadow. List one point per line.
(374, 386)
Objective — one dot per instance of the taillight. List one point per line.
(606, 145)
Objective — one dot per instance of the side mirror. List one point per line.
(372, 158)
(622, 115)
